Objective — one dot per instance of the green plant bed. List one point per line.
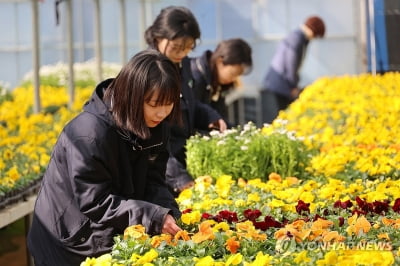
(247, 152)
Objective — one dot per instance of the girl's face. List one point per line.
(228, 73)
(176, 49)
(154, 112)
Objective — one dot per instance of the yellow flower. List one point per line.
(234, 259)
(223, 185)
(13, 173)
(261, 260)
(253, 197)
(221, 226)
(302, 257)
(103, 260)
(191, 217)
(137, 231)
(330, 258)
(206, 261)
(148, 257)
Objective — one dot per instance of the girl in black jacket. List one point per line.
(215, 73)
(107, 169)
(174, 33)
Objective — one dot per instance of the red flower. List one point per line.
(344, 205)
(229, 216)
(364, 205)
(260, 225)
(381, 207)
(302, 207)
(358, 212)
(206, 216)
(268, 222)
(271, 222)
(396, 206)
(187, 211)
(341, 221)
(316, 217)
(252, 215)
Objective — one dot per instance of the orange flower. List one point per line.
(183, 234)
(157, 240)
(357, 225)
(241, 182)
(274, 176)
(321, 224)
(384, 236)
(291, 180)
(391, 222)
(135, 231)
(281, 234)
(362, 224)
(232, 245)
(205, 232)
(333, 235)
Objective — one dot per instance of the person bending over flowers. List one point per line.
(107, 169)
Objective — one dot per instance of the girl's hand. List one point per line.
(170, 226)
(220, 125)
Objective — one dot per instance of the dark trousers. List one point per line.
(271, 104)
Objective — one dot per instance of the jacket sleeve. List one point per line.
(204, 115)
(157, 190)
(91, 181)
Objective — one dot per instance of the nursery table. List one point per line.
(16, 211)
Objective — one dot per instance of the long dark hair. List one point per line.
(233, 52)
(172, 22)
(146, 73)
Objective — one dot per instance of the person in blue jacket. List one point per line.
(281, 83)
(107, 169)
(216, 72)
(174, 33)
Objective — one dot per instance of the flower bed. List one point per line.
(341, 208)
(26, 139)
(278, 222)
(331, 198)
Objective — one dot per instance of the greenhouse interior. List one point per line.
(268, 133)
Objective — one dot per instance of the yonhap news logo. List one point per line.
(290, 245)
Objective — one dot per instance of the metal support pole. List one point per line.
(97, 46)
(122, 34)
(70, 43)
(142, 42)
(28, 223)
(35, 55)
(371, 13)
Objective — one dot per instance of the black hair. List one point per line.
(172, 22)
(146, 73)
(233, 52)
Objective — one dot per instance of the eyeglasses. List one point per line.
(180, 46)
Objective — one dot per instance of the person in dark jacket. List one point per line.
(280, 86)
(174, 33)
(215, 73)
(107, 169)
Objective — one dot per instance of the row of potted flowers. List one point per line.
(228, 222)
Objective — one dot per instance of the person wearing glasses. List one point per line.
(174, 33)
